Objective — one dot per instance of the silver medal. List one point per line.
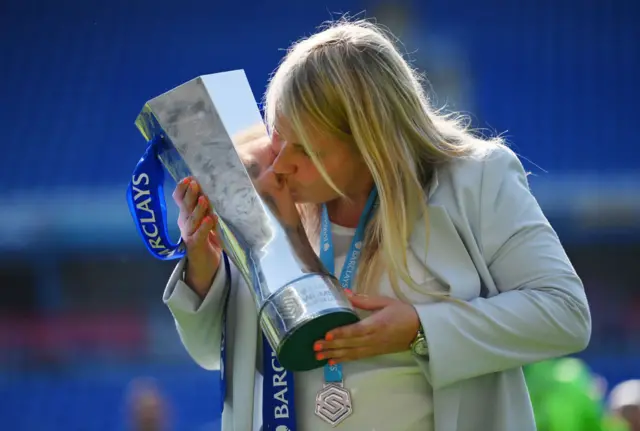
(333, 403)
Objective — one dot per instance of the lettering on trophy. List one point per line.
(149, 226)
(280, 389)
(305, 297)
(315, 298)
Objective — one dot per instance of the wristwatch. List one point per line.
(419, 344)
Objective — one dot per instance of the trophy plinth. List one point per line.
(190, 128)
(299, 314)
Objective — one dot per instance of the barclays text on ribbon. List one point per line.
(147, 216)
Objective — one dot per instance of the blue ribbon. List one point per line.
(145, 196)
(333, 373)
(278, 406)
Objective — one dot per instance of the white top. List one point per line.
(389, 392)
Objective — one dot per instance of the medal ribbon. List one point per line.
(333, 373)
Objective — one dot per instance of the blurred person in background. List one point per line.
(624, 402)
(462, 281)
(567, 396)
(146, 406)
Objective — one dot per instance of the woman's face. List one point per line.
(342, 162)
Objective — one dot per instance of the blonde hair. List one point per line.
(351, 82)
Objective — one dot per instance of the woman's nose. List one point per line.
(284, 163)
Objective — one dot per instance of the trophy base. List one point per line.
(301, 313)
(296, 352)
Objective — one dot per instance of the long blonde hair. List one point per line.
(351, 82)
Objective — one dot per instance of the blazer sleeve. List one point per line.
(541, 310)
(199, 321)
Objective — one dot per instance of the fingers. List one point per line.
(360, 329)
(343, 343)
(191, 197)
(186, 194)
(195, 219)
(343, 355)
(194, 208)
(347, 343)
(180, 190)
(201, 235)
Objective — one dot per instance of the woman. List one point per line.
(461, 279)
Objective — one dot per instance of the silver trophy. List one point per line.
(298, 302)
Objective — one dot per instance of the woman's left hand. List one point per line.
(391, 328)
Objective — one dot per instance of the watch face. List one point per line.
(420, 348)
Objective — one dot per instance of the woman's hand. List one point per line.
(391, 328)
(197, 223)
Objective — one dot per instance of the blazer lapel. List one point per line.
(443, 253)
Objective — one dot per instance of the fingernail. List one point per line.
(349, 292)
(207, 219)
(319, 356)
(185, 180)
(329, 337)
(317, 346)
(202, 201)
(332, 362)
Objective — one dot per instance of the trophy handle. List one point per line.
(145, 196)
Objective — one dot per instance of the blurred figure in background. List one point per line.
(147, 408)
(567, 396)
(624, 403)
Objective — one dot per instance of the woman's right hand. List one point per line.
(197, 222)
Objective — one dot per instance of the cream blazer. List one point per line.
(491, 245)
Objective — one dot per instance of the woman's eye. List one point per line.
(301, 149)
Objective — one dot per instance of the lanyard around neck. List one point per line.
(326, 242)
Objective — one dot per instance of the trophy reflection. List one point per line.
(297, 301)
